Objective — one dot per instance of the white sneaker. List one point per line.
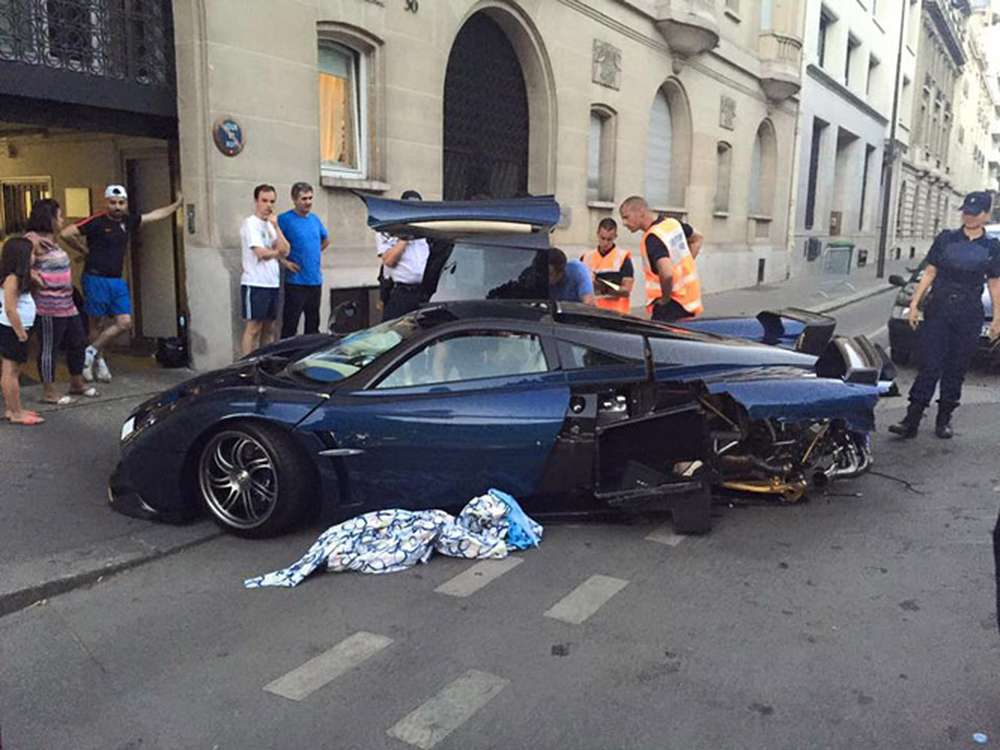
(103, 373)
(88, 364)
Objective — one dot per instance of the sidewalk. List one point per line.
(811, 291)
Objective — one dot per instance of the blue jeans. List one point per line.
(949, 337)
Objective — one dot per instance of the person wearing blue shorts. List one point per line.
(108, 302)
(263, 245)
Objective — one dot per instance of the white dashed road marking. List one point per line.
(586, 599)
(448, 710)
(666, 535)
(470, 581)
(300, 683)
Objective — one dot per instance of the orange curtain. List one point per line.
(336, 117)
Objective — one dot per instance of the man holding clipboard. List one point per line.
(611, 267)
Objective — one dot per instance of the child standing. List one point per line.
(17, 315)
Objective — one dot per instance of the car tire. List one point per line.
(254, 480)
(900, 356)
(693, 515)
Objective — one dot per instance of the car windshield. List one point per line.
(355, 351)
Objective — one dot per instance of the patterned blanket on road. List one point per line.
(386, 541)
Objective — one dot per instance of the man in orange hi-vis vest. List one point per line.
(611, 267)
(673, 290)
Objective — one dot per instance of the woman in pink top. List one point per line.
(59, 322)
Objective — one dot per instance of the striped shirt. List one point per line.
(55, 297)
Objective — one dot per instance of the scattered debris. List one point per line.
(980, 739)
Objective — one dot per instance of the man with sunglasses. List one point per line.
(107, 295)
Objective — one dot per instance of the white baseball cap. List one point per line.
(115, 191)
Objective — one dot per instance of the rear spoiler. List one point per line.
(812, 331)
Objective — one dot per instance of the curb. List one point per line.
(840, 302)
(29, 582)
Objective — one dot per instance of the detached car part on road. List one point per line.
(569, 408)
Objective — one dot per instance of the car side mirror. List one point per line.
(897, 280)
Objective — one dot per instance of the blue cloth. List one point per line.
(305, 234)
(386, 541)
(105, 296)
(575, 283)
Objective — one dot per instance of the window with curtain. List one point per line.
(340, 108)
(723, 176)
(659, 146)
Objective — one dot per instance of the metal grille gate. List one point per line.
(485, 115)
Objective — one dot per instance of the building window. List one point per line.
(763, 171)
(659, 152)
(601, 155)
(341, 109)
(723, 176)
(826, 20)
(852, 46)
(17, 196)
(873, 63)
(819, 128)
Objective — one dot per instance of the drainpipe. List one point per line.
(889, 161)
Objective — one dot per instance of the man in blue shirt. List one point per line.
(569, 281)
(304, 275)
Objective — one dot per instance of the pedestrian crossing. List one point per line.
(426, 725)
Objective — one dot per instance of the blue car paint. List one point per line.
(803, 399)
(386, 214)
(493, 433)
(750, 329)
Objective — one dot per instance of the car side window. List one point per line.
(470, 356)
(579, 357)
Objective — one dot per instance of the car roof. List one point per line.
(557, 313)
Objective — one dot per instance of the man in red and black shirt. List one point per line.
(106, 292)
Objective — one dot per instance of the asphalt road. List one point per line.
(862, 619)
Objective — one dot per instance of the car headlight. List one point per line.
(899, 312)
(128, 428)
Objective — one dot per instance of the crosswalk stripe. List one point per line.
(470, 581)
(301, 682)
(586, 599)
(666, 535)
(448, 710)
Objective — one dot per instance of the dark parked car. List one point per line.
(904, 342)
(569, 408)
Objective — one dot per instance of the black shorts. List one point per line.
(259, 302)
(10, 347)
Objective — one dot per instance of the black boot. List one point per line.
(908, 426)
(942, 425)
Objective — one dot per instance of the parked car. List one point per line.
(569, 408)
(903, 340)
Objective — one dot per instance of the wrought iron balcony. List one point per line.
(780, 65)
(689, 26)
(116, 52)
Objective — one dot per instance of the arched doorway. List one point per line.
(486, 116)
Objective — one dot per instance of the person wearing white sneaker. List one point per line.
(108, 302)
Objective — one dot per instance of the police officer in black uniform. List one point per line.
(957, 264)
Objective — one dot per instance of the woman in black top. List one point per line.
(957, 264)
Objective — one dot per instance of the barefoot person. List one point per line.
(17, 315)
(107, 295)
(58, 320)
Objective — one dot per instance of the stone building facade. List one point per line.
(954, 108)
(690, 102)
(850, 70)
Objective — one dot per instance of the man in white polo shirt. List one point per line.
(403, 262)
(263, 244)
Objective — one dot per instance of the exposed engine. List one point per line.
(778, 457)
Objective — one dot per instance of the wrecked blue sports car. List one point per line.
(569, 408)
